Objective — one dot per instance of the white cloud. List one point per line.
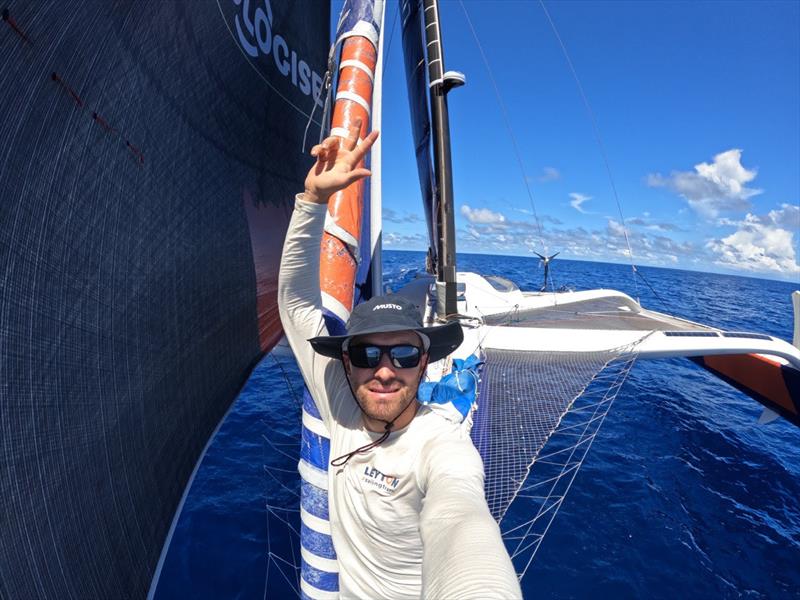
(712, 187)
(522, 237)
(531, 244)
(761, 243)
(415, 241)
(395, 217)
(551, 220)
(481, 215)
(645, 222)
(788, 216)
(615, 228)
(577, 200)
(549, 174)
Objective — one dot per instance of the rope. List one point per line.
(391, 37)
(508, 127)
(344, 458)
(297, 399)
(598, 139)
(652, 289)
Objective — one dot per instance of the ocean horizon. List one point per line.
(787, 278)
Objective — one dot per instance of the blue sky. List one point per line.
(698, 109)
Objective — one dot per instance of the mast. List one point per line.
(440, 83)
(375, 180)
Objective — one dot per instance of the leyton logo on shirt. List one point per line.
(392, 306)
(373, 476)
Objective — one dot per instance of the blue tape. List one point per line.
(322, 580)
(315, 449)
(317, 543)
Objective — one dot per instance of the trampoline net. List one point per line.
(537, 416)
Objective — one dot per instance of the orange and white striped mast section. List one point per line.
(341, 239)
(339, 252)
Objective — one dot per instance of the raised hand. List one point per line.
(337, 164)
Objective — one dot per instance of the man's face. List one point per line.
(385, 390)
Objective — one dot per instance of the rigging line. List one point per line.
(508, 126)
(326, 87)
(596, 130)
(297, 400)
(623, 375)
(663, 304)
(391, 37)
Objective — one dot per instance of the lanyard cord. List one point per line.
(344, 458)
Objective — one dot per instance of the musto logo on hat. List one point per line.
(392, 306)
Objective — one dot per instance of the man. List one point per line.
(407, 508)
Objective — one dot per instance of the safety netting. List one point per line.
(283, 490)
(538, 414)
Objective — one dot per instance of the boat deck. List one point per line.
(613, 313)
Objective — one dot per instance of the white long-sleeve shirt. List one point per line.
(409, 518)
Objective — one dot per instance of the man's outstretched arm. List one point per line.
(299, 300)
(463, 555)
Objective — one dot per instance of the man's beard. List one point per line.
(386, 412)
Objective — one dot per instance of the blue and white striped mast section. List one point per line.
(319, 571)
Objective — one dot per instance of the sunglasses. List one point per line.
(368, 356)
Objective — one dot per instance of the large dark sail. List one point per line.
(149, 152)
(417, 82)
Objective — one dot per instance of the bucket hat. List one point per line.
(386, 314)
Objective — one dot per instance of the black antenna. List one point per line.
(546, 262)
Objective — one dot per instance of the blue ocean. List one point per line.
(683, 493)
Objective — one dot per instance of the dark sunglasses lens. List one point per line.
(365, 357)
(404, 357)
